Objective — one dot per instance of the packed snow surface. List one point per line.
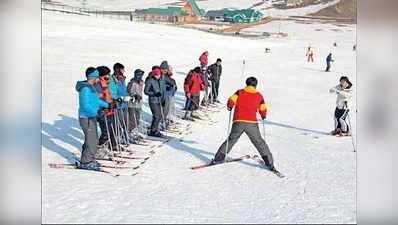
(320, 183)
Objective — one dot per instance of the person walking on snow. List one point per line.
(89, 104)
(328, 62)
(155, 89)
(310, 54)
(135, 90)
(343, 91)
(192, 86)
(215, 71)
(247, 103)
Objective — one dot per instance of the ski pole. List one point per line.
(263, 122)
(243, 68)
(125, 127)
(107, 131)
(163, 119)
(352, 135)
(228, 131)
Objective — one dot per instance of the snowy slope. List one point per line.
(320, 186)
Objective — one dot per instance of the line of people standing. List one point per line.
(106, 100)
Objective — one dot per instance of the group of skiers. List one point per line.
(104, 98)
(310, 57)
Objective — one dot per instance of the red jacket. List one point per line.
(193, 83)
(204, 58)
(247, 103)
(104, 94)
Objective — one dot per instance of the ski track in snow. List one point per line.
(320, 170)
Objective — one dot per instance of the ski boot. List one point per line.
(93, 165)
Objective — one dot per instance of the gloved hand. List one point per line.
(112, 105)
(188, 95)
(120, 100)
(158, 94)
(138, 97)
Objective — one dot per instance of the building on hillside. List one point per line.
(189, 12)
(215, 15)
(243, 16)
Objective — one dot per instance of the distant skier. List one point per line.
(310, 54)
(335, 44)
(192, 86)
(135, 90)
(354, 48)
(247, 103)
(215, 71)
(328, 62)
(155, 89)
(89, 104)
(343, 91)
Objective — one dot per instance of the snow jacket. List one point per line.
(121, 91)
(135, 89)
(329, 59)
(89, 103)
(113, 87)
(193, 83)
(204, 58)
(343, 96)
(171, 87)
(102, 89)
(153, 86)
(247, 103)
(215, 72)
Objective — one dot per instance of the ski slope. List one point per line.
(320, 186)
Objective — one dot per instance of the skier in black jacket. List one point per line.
(215, 71)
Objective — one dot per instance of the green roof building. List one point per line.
(242, 16)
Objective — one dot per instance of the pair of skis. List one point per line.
(255, 157)
(102, 169)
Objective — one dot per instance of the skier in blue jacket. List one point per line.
(328, 61)
(119, 93)
(89, 104)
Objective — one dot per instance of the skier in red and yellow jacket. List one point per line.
(247, 102)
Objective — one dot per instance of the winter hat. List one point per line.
(347, 80)
(251, 81)
(103, 70)
(138, 74)
(156, 71)
(164, 65)
(91, 73)
(197, 70)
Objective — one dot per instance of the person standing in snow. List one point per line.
(204, 60)
(247, 103)
(192, 86)
(328, 62)
(119, 81)
(310, 54)
(343, 91)
(215, 71)
(155, 89)
(171, 90)
(89, 104)
(106, 116)
(135, 90)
